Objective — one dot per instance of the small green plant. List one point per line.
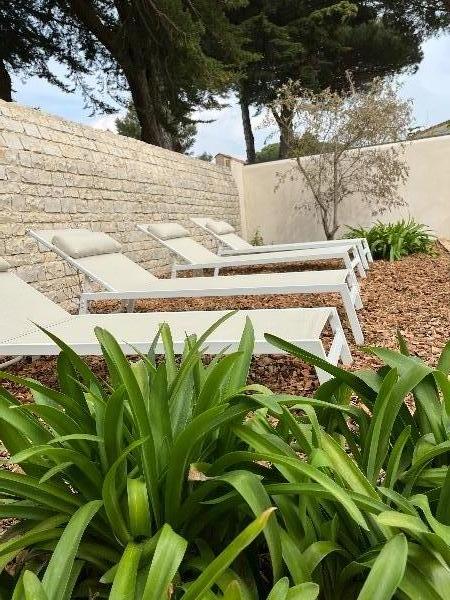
(114, 497)
(393, 241)
(163, 481)
(257, 239)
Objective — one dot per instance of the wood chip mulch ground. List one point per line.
(411, 295)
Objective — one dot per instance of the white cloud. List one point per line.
(107, 122)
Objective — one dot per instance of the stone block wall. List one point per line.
(55, 173)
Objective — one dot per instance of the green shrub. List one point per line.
(257, 239)
(122, 463)
(161, 482)
(393, 241)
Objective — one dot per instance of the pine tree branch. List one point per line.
(85, 12)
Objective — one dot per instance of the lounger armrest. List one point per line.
(232, 290)
(144, 295)
(348, 245)
(199, 266)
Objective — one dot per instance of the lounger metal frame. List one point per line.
(338, 351)
(31, 341)
(224, 249)
(348, 291)
(339, 254)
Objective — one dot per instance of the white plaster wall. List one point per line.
(427, 193)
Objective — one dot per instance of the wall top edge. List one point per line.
(427, 140)
(23, 113)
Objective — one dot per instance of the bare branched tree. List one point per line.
(361, 134)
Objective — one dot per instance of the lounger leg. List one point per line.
(173, 274)
(10, 363)
(216, 271)
(349, 267)
(83, 308)
(352, 316)
(319, 351)
(339, 338)
(368, 250)
(359, 266)
(362, 254)
(130, 306)
(355, 293)
(346, 355)
(86, 287)
(357, 297)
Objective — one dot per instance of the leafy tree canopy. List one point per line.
(29, 38)
(268, 153)
(353, 129)
(129, 126)
(172, 56)
(206, 156)
(306, 145)
(318, 42)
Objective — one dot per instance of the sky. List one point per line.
(429, 88)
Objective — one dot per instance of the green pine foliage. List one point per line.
(177, 480)
(183, 135)
(268, 153)
(128, 125)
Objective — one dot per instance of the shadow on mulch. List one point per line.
(411, 295)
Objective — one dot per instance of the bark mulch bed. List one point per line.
(411, 295)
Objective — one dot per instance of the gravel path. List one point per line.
(412, 295)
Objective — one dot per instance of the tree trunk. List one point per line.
(286, 133)
(151, 130)
(247, 125)
(5, 83)
(324, 216)
(335, 195)
(284, 122)
(283, 151)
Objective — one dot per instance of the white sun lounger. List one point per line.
(127, 281)
(231, 244)
(197, 257)
(23, 306)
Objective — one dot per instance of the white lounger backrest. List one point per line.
(233, 241)
(21, 305)
(185, 247)
(115, 272)
(230, 240)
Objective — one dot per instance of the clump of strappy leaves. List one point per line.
(177, 480)
(394, 241)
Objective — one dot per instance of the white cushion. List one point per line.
(167, 231)
(79, 244)
(219, 227)
(4, 266)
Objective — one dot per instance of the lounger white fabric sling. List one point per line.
(198, 257)
(232, 244)
(127, 281)
(23, 306)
